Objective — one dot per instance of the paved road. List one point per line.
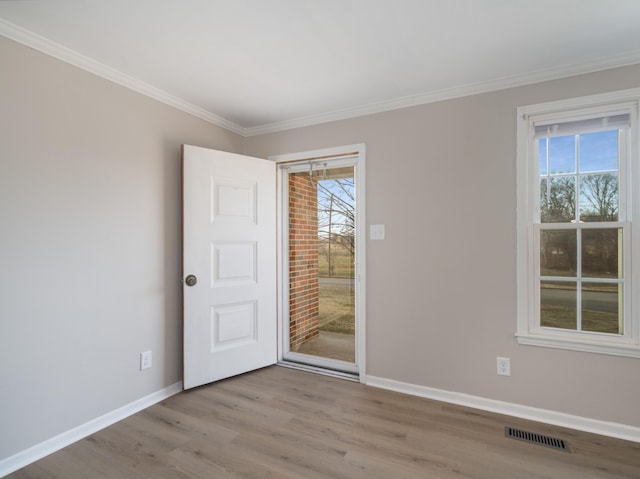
(346, 282)
(592, 300)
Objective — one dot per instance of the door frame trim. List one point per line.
(357, 151)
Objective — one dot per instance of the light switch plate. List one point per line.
(376, 232)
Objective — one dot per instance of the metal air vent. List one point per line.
(540, 439)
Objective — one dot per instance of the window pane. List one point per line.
(601, 253)
(542, 156)
(599, 151)
(601, 308)
(558, 200)
(558, 305)
(562, 154)
(558, 253)
(599, 197)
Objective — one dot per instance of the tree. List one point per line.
(598, 201)
(336, 216)
(599, 197)
(558, 199)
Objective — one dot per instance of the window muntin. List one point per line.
(579, 184)
(574, 240)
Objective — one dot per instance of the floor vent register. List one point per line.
(540, 439)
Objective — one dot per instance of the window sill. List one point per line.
(600, 347)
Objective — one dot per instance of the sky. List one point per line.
(597, 151)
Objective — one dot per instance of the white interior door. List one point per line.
(229, 252)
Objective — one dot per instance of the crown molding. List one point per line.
(528, 78)
(44, 45)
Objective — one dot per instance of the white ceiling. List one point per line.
(262, 65)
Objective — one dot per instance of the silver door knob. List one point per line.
(191, 280)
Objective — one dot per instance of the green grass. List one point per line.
(565, 318)
(337, 310)
(345, 324)
(337, 303)
(341, 259)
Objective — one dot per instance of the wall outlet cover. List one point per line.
(503, 366)
(145, 360)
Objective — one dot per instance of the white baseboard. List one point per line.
(612, 429)
(32, 454)
(620, 431)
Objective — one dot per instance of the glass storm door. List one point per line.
(319, 219)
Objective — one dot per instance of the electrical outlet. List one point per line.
(504, 366)
(145, 360)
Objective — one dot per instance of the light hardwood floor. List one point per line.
(284, 423)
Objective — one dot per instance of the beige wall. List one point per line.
(90, 247)
(441, 297)
(90, 244)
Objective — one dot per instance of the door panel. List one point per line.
(229, 230)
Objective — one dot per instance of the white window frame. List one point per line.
(528, 328)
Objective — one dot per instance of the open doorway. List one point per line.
(322, 251)
(322, 263)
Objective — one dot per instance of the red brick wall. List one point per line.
(303, 260)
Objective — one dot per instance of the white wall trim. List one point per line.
(32, 454)
(527, 78)
(596, 426)
(44, 45)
